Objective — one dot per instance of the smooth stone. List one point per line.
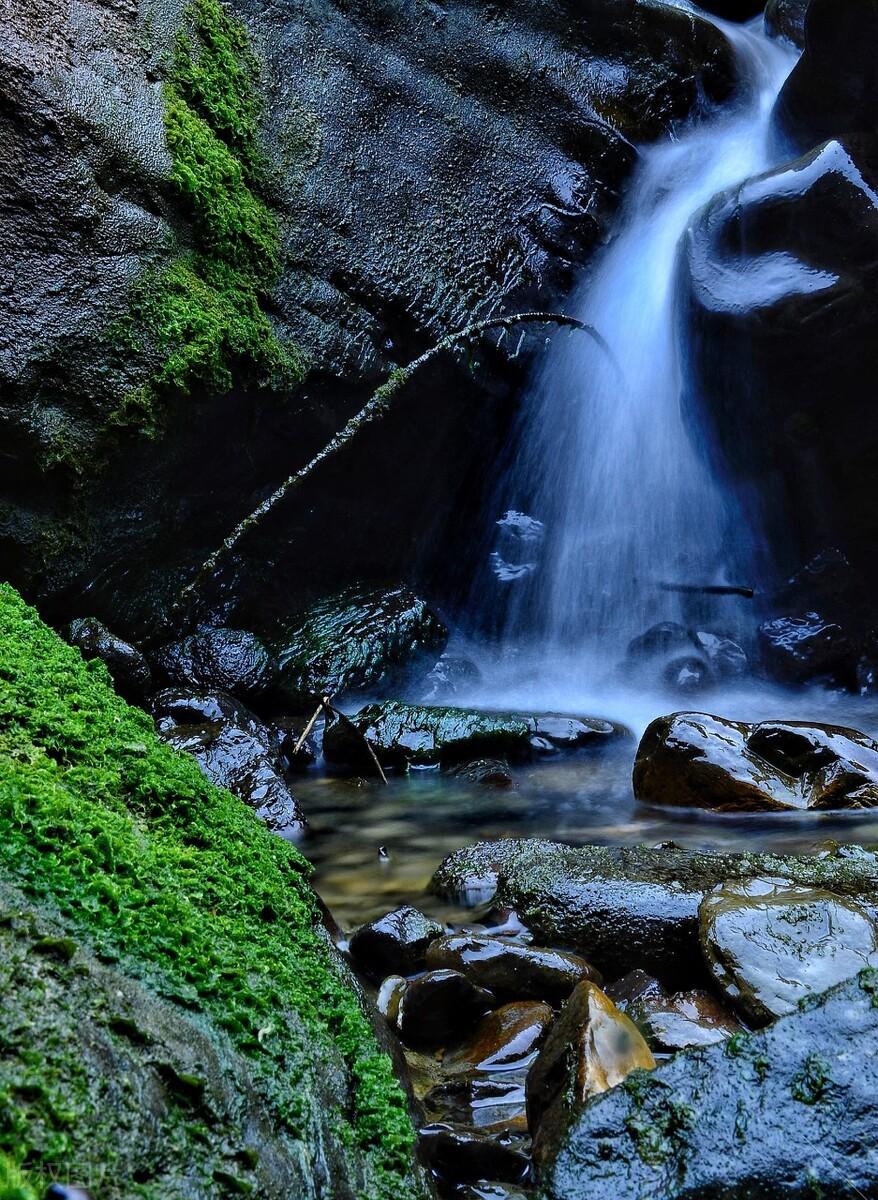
(440, 1008)
(770, 945)
(672, 1022)
(389, 998)
(461, 1153)
(128, 668)
(659, 640)
(529, 972)
(802, 649)
(487, 772)
(488, 1189)
(211, 659)
(395, 944)
(687, 675)
(591, 1047)
(726, 658)
(449, 677)
(782, 1112)
(505, 1040)
(478, 1100)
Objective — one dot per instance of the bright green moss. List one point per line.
(14, 1184)
(152, 868)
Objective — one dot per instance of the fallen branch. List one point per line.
(329, 708)
(708, 589)
(374, 409)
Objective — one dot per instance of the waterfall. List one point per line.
(611, 496)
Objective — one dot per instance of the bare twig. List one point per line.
(708, 589)
(324, 703)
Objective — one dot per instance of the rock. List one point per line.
(629, 906)
(694, 760)
(389, 998)
(479, 1100)
(833, 89)
(439, 1008)
(226, 660)
(805, 649)
(359, 640)
(447, 679)
(770, 945)
(403, 735)
(672, 1022)
(460, 1153)
(510, 969)
(488, 1190)
(688, 675)
(659, 640)
(505, 1040)
(774, 1113)
(127, 666)
(234, 749)
(786, 19)
(591, 1047)
(726, 658)
(488, 772)
(733, 10)
(395, 944)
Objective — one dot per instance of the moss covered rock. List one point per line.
(174, 1015)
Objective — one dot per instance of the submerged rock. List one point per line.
(359, 640)
(770, 945)
(777, 1113)
(511, 969)
(127, 666)
(488, 772)
(505, 1040)
(694, 760)
(228, 660)
(629, 906)
(457, 1152)
(234, 749)
(395, 944)
(403, 735)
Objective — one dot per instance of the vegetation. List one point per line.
(149, 868)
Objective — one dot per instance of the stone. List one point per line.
(403, 735)
(727, 660)
(672, 1022)
(786, 19)
(479, 1100)
(780, 1112)
(439, 1008)
(461, 1153)
(659, 640)
(234, 749)
(687, 675)
(213, 659)
(487, 772)
(770, 945)
(695, 760)
(510, 969)
(389, 998)
(626, 907)
(448, 678)
(505, 1040)
(395, 944)
(591, 1048)
(733, 10)
(127, 666)
(805, 649)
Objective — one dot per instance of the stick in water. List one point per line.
(708, 589)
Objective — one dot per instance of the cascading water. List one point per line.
(621, 497)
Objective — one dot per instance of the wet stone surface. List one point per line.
(440, 1007)
(394, 944)
(672, 1021)
(510, 969)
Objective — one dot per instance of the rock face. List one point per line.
(786, 18)
(770, 945)
(766, 1114)
(631, 907)
(694, 760)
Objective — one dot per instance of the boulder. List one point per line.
(786, 19)
(234, 750)
(510, 969)
(127, 666)
(694, 760)
(396, 943)
(447, 679)
(487, 772)
(226, 660)
(776, 1113)
(403, 735)
(629, 906)
(806, 649)
(459, 1153)
(359, 640)
(770, 945)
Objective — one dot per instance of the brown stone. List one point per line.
(505, 1040)
(528, 972)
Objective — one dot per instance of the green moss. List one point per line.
(14, 1184)
(151, 867)
(659, 1122)
(813, 1081)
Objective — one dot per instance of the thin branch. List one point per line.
(324, 703)
(360, 734)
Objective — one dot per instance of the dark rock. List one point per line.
(733, 10)
(804, 649)
(359, 640)
(488, 1190)
(404, 735)
(448, 678)
(479, 1100)
(672, 1022)
(439, 1008)
(395, 944)
(510, 969)
(786, 18)
(127, 666)
(770, 945)
(694, 760)
(505, 1040)
(62, 1191)
(488, 772)
(234, 749)
(227, 660)
(831, 585)
(591, 1047)
(298, 757)
(660, 639)
(688, 675)
(833, 89)
(767, 1114)
(726, 658)
(460, 1153)
(629, 906)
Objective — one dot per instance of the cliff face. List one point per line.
(200, 201)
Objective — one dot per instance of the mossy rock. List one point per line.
(174, 1015)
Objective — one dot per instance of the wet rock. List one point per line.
(659, 639)
(591, 1048)
(395, 944)
(672, 1022)
(358, 640)
(629, 906)
(234, 749)
(694, 760)
(505, 1040)
(733, 10)
(449, 677)
(299, 758)
(127, 666)
(488, 772)
(687, 675)
(488, 1190)
(786, 18)
(833, 89)
(403, 735)
(805, 649)
(227, 660)
(389, 998)
(765, 1114)
(439, 1008)
(770, 945)
(479, 1100)
(461, 1153)
(510, 969)
(726, 658)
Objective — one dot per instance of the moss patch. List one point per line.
(151, 868)
(14, 1184)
